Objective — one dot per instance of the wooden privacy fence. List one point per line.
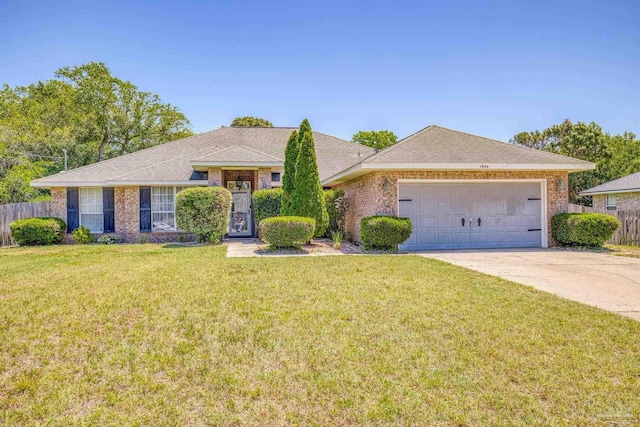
(13, 211)
(629, 231)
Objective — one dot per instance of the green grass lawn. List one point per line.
(152, 335)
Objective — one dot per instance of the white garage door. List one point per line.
(472, 215)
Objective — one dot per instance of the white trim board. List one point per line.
(543, 196)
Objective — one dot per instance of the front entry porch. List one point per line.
(241, 184)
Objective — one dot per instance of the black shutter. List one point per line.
(73, 220)
(108, 217)
(145, 208)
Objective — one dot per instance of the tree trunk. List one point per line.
(103, 144)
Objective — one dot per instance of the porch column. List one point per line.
(215, 177)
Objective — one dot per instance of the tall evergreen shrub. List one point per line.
(288, 180)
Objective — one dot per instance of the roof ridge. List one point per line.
(399, 143)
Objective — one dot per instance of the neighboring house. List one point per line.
(619, 194)
(460, 190)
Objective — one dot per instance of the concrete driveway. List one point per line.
(609, 282)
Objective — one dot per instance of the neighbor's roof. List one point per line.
(174, 162)
(629, 183)
(438, 148)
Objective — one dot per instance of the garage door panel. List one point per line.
(408, 191)
(461, 190)
(426, 207)
(504, 211)
(427, 238)
(477, 190)
(426, 191)
(444, 207)
(443, 191)
(444, 238)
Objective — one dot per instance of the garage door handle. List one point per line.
(463, 222)
(405, 200)
(479, 222)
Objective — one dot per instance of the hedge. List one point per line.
(204, 211)
(287, 231)
(583, 229)
(38, 231)
(267, 203)
(384, 232)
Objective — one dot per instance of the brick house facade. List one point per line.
(377, 193)
(137, 187)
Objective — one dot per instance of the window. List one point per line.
(611, 202)
(275, 176)
(91, 209)
(163, 208)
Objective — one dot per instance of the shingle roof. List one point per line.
(627, 183)
(435, 144)
(236, 154)
(173, 161)
(431, 148)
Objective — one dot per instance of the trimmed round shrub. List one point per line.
(83, 235)
(267, 203)
(384, 232)
(38, 231)
(204, 211)
(287, 231)
(583, 229)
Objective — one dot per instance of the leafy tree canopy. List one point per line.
(615, 156)
(85, 110)
(249, 121)
(378, 139)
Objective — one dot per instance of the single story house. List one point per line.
(460, 190)
(619, 194)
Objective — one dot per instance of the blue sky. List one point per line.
(492, 68)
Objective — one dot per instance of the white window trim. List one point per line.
(175, 223)
(611, 206)
(101, 213)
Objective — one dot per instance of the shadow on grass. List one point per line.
(184, 245)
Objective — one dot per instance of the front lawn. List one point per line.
(153, 335)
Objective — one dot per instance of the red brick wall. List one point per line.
(377, 192)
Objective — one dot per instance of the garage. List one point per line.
(472, 214)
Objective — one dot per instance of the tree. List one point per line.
(307, 199)
(123, 119)
(378, 139)
(579, 140)
(84, 110)
(249, 121)
(289, 176)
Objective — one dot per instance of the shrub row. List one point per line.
(384, 232)
(583, 229)
(38, 231)
(287, 231)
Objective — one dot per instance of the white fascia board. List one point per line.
(119, 183)
(344, 173)
(595, 193)
(478, 166)
(236, 164)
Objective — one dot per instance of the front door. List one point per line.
(240, 223)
